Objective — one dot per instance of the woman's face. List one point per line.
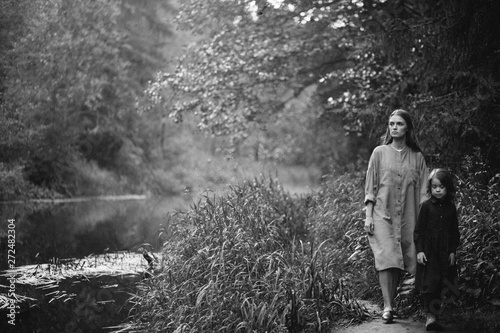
(397, 127)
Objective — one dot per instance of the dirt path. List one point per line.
(404, 325)
(398, 326)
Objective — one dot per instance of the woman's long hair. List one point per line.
(411, 140)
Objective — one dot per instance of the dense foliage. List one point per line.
(271, 262)
(72, 77)
(242, 263)
(358, 59)
(305, 82)
(338, 215)
(478, 202)
(295, 81)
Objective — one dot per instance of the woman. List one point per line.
(395, 187)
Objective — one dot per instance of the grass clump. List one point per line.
(257, 259)
(338, 215)
(242, 263)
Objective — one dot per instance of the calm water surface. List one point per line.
(75, 230)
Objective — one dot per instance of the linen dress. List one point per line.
(396, 184)
(437, 235)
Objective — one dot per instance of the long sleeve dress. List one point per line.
(395, 183)
(436, 235)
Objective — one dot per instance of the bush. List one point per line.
(14, 186)
(89, 179)
(479, 253)
(102, 147)
(241, 264)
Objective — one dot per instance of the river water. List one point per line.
(77, 229)
(47, 231)
(101, 231)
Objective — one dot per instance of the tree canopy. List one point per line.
(438, 59)
(72, 76)
(299, 81)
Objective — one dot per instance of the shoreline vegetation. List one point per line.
(277, 263)
(226, 108)
(88, 293)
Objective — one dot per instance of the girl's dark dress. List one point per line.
(436, 234)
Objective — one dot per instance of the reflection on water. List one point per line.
(81, 296)
(75, 230)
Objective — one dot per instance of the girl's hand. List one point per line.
(369, 225)
(421, 258)
(452, 259)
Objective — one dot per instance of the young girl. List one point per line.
(436, 241)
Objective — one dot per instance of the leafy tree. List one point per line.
(434, 58)
(64, 77)
(251, 66)
(437, 59)
(73, 79)
(237, 72)
(10, 26)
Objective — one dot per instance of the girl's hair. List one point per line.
(411, 140)
(446, 180)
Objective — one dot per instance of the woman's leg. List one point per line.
(389, 281)
(396, 276)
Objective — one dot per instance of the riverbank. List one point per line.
(80, 199)
(69, 294)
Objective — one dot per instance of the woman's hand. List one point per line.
(452, 259)
(421, 258)
(369, 226)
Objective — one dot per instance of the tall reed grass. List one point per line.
(257, 259)
(337, 214)
(244, 263)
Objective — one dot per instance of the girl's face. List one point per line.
(397, 127)
(437, 189)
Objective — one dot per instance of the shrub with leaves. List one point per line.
(241, 264)
(338, 216)
(14, 186)
(478, 204)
